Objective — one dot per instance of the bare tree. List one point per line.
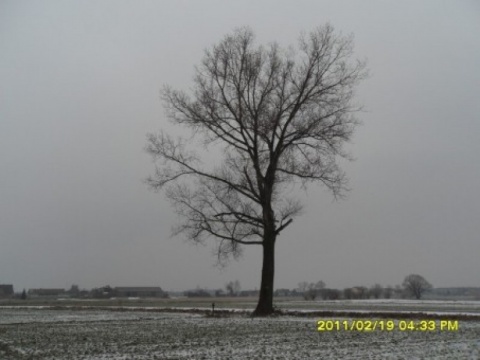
(361, 292)
(416, 285)
(219, 293)
(348, 293)
(331, 294)
(74, 291)
(376, 291)
(356, 292)
(303, 288)
(311, 290)
(315, 289)
(233, 288)
(278, 116)
(399, 292)
(387, 292)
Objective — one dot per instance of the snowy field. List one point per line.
(44, 333)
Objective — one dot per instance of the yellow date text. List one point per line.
(387, 325)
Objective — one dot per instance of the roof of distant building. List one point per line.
(138, 288)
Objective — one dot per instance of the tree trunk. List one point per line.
(265, 301)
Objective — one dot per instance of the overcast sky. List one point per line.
(79, 91)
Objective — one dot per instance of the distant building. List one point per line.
(457, 293)
(197, 293)
(47, 292)
(282, 292)
(249, 293)
(145, 291)
(6, 291)
(105, 292)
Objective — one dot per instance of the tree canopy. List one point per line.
(416, 285)
(279, 115)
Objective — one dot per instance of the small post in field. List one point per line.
(213, 309)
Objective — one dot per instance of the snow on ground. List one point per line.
(442, 311)
(46, 334)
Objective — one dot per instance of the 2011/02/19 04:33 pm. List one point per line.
(387, 325)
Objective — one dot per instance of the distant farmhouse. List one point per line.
(6, 291)
(46, 293)
(145, 291)
(253, 293)
(458, 293)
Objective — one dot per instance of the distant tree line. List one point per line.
(414, 285)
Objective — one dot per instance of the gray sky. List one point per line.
(79, 90)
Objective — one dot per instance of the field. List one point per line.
(97, 331)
